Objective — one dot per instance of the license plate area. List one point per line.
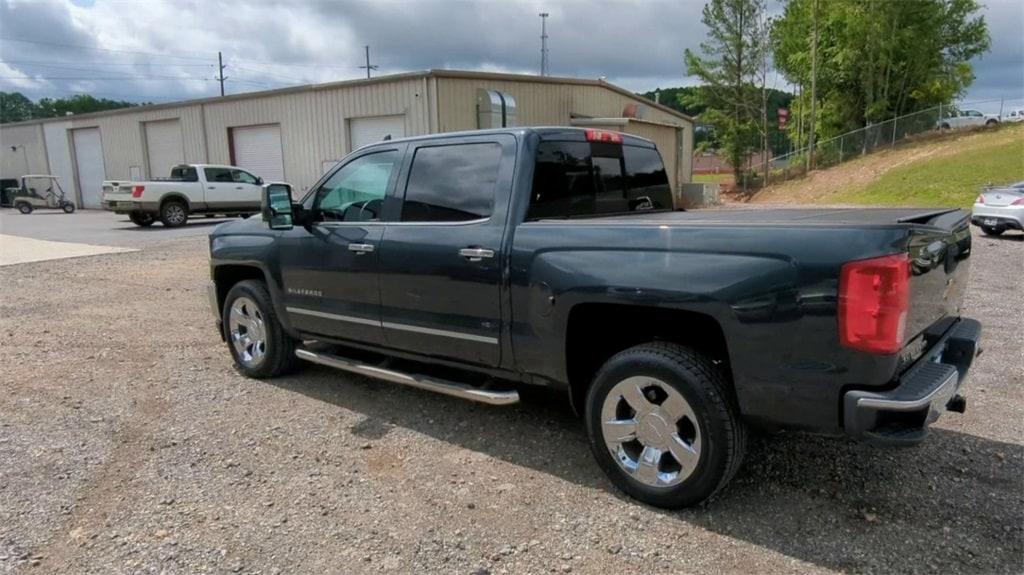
(991, 222)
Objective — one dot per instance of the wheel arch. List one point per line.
(589, 342)
(226, 276)
(174, 196)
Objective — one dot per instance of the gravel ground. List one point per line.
(128, 444)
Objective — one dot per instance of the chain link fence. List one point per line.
(889, 134)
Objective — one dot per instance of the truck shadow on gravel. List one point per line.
(953, 504)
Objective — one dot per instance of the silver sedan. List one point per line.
(999, 209)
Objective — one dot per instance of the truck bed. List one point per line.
(784, 216)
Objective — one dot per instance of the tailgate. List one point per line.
(939, 250)
(115, 192)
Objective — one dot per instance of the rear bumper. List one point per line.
(1006, 217)
(901, 416)
(127, 205)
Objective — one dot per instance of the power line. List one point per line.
(106, 79)
(81, 47)
(60, 64)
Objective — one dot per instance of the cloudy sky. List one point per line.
(163, 50)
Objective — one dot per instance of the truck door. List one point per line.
(441, 263)
(247, 192)
(330, 269)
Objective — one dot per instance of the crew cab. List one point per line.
(191, 189)
(484, 265)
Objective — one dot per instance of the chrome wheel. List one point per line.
(651, 431)
(247, 332)
(175, 214)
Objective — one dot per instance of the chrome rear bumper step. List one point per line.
(454, 389)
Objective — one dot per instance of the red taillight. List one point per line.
(603, 136)
(1019, 202)
(137, 191)
(980, 200)
(874, 298)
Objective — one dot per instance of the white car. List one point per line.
(1015, 116)
(191, 189)
(999, 209)
(968, 119)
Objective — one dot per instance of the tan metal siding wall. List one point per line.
(124, 144)
(538, 103)
(314, 125)
(13, 161)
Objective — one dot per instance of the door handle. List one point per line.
(238, 187)
(476, 254)
(360, 248)
(211, 187)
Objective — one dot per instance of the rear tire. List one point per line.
(68, 207)
(24, 208)
(988, 231)
(662, 425)
(142, 219)
(173, 213)
(256, 340)
(991, 123)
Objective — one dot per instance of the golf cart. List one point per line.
(40, 192)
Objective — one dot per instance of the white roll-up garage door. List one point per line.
(365, 131)
(257, 149)
(163, 144)
(89, 164)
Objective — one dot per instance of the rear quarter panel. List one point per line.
(772, 289)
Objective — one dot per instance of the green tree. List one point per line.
(728, 67)
(79, 104)
(15, 107)
(879, 58)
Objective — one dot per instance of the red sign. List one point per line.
(783, 118)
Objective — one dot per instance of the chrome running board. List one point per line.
(445, 387)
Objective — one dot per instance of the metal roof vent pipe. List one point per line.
(495, 109)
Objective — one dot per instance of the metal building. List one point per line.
(295, 134)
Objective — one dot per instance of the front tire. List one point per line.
(142, 219)
(173, 214)
(258, 344)
(25, 208)
(662, 425)
(990, 231)
(68, 207)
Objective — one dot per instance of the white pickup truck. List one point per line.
(968, 119)
(191, 189)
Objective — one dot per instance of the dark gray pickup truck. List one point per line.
(486, 264)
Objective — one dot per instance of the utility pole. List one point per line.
(220, 74)
(814, 85)
(543, 43)
(368, 66)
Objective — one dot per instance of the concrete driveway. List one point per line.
(97, 227)
(51, 234)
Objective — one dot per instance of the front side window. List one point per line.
(355, 193)
(217, 174)
(243, 177)
(452, 183)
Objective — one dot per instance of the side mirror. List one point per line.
(276, 206)
(259, 181)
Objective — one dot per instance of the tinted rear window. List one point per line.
(184, 174)
(582, 179)
(452, 183)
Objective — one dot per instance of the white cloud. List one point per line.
(167, 49)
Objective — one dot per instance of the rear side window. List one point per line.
(452, 183)
(585, 179)
(184, 174)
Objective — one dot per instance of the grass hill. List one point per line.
(936, 170)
